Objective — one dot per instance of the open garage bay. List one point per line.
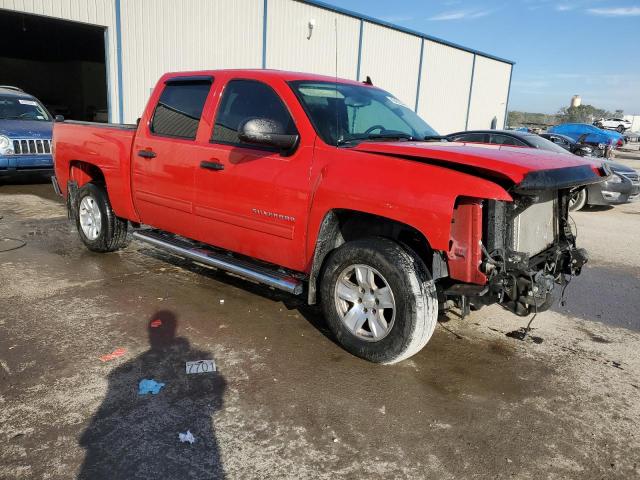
(62, 63)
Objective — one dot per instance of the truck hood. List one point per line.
(26, 129)
(527, 168)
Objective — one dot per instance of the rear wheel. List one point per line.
(379, 300)
(620, 129)
(99, 228)
(578, 201)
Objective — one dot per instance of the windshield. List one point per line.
(544, 144)
(343, 113)
(15, 108)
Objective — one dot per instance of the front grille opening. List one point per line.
(32, 147)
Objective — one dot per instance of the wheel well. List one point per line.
(83, 172)
(341, 226)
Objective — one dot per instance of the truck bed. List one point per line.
(107, 146)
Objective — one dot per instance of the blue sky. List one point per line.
(561, 47)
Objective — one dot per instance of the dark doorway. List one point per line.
(61, 63)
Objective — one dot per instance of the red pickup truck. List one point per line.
(331, 188)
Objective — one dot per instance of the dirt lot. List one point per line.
(287, 402)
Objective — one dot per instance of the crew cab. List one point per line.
(25, 133)
(332, 189)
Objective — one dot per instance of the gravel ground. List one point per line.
(286, 401)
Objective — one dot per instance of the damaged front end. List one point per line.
(527, 246)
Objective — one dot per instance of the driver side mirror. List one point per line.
(268, 132)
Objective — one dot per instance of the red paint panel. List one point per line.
(465, 254)
(107, 149)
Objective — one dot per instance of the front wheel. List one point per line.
(379, 300)
(620, 129)
(578, 201)
(99, 228)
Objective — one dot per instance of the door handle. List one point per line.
(146, 154)
(211, 165)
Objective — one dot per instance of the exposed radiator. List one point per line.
(536, 228)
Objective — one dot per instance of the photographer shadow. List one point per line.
(136, 436)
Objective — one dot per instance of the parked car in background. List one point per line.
(618, 124)
(25, 133)
(631, 136)
(622, 186)
(569, 144)
(516, 138)
(606, 140)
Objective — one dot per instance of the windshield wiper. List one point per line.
(390, 136)
(434, 138)
(376, 136)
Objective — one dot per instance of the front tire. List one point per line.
(379, 300)
(98, 227)
(578, 201)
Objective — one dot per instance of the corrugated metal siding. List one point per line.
(168, 35)
(489, 94)
(391, 59)
(159, 36)
(444, 87)
(288, 47)
(95, 12)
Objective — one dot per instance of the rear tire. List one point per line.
(379, 300)
(620, 129)
(98, 227)
(578, 201)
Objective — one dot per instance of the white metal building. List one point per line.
(452, 87)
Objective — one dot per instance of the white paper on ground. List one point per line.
(186, 437)
(200, 366)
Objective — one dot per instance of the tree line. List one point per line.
(579, 114)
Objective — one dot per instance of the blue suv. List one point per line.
(25, 133)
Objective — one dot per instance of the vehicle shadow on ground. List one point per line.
(136, 436)
(26, 179)
(311, 313)
(29, 183)
(598, 208)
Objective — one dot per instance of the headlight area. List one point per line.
(6, 145)
(522, 272)
(527, 247)
(615, 179)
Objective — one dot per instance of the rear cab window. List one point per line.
(179, 108)
(243, 100)
(471, 137)
(506, 140)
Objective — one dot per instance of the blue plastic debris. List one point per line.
(149, 386)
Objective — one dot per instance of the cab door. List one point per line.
(166, 155)
(254, 199)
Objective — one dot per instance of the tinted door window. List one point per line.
(471, 137)
(179, 109)
(243, 100)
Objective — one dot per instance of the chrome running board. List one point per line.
(251, 270)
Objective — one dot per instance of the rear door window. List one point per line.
(179, 109)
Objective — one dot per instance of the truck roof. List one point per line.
(264, 74)
(13, 91)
